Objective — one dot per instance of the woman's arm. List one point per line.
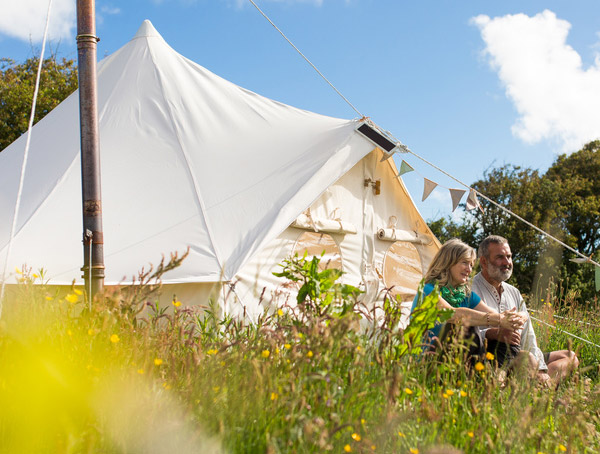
(476, 317)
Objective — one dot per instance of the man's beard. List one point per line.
(499, 274)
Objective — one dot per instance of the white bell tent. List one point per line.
(189, 159)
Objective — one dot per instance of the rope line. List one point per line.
(307, 60)
(25, 156)
(566, 332)
(569, 319)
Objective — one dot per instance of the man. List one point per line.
(495, 260)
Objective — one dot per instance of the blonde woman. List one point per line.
(451, 269)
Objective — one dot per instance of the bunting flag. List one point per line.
(472, 201)
(456, 195)
(428, 187)
(405, 167)
(598, 279)
(387, 155)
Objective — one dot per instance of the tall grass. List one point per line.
(132, 377)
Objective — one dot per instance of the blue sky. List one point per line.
(466, 85)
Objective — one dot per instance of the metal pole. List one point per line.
(93, 241)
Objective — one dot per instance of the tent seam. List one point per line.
(187, 161)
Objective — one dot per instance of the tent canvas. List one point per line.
(189, 159)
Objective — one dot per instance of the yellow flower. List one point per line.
(479, 367)
(310, 354)
(449, 392)
(287, 346)
(347, 448)
(373, 447)
(401, 435)
(445, 396)
(69, 332)
(91, 332)
(563, 448)
(356, 437)
(176, 303)
(114, 338)
(414, 451)
(212, 351)
(35, 276)
(18, 271)
(408, 390)
(489, 356)
(140, 371)
(71, 298)
(77, 291)
(463, 393)
(274, 396)
(265, 353)
(216, 389)
(362, 421)
(280, 312)
(470, 434)
(166, 385)
(49, 298)
(158, 361)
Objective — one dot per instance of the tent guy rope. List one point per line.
(566, 332)
(25, 156)
(404, 149)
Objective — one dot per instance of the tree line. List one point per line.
(564, 201)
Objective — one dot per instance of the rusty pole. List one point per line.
(93, 241)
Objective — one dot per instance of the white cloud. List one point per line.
(26, 19)
(556, 98)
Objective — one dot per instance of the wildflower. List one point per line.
(114, 338)
(265, 353)
(91, 332)
(449, 392)
(166, 385)
(489, 356)
(212, 351)
(356, 437)
(280, 312)
(408, 391)
(347, 448)
(287, 346)
(479, 367)
(362, 421)
(401, 435)
(373, 447)
(274, 396)
(310, 354)
(18, 271)
(445, 396)
(76, 291)
(216, 389)
(140, 371)
(71, 298)
(69, 332)
(463, 393)
(49, 298)
(36, 276)
(470, 434)
(222, 363)
(457, 360)
(176, 303)
(563, 448)
(158, 361)
(414, 451)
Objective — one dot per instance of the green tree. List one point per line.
(17, 81)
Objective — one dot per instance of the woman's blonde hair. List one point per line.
(452, 252)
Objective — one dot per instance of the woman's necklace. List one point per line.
(454, 296)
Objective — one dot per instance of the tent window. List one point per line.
(314, 243)
(402, 270)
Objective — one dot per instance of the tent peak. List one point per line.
(147, 30)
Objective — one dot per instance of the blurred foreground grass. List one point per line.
(309, 379)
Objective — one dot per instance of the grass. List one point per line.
(126, 377)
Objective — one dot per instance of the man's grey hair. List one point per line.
(484, 246)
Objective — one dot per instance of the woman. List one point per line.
(451, 269)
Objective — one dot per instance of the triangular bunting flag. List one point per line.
(456, 195)
(598, 279)
(472, 201)
(428, 187)
(405, 167)
(387, 155)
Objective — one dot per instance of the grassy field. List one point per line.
(125, 377)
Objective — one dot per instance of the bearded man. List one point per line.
(495, 260)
